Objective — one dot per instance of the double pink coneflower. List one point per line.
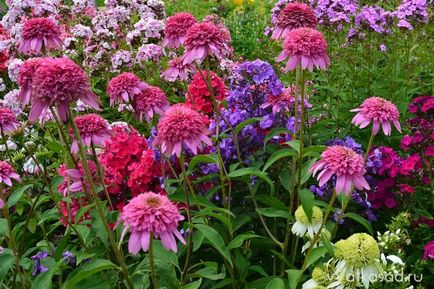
(39, 34)
(124, 87)
(94, 130)
(7, 173)
(176, 29)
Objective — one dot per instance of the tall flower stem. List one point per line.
(120, 257)
(186, 184)
(371, 142)
(152, 263)
(101, 176)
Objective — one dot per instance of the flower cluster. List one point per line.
(411, 12)
(334, 13)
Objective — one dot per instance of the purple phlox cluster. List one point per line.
(149, 52)
(38, 267)
(122, 58)
(374, 18)
(411, 12)
(334, 12)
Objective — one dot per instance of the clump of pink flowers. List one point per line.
(94, 131)
(343, 163)
(40, 34)
(25, 77)
(152, 100)
(151, 216)
(176, 29)
(7, 173)
(293, 16)
(8, 120)
(379, 112)
(304, 47)
(124, 87)
(181, 125)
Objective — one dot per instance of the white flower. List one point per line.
(303, 225)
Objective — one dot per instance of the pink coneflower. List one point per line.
(181, 125)
(176, 28)
(178, 70)
(378, 111)
(151, 100)
(8, 120)
(345, 164)
(306, 47)
(40, 33)
(147, 214)
(293, 16)
(7, 173)
(124, 87)
(75, 179)
(25, 77)
(94, 130)
(206, 39)
(59, 82)
(283, 101)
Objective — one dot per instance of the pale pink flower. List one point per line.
(206, 39)
(345, 164)
(151, 214)
(75, 179)
(306, 47)
(8, 120)
(25, 77)
(150, 101)
(40, 33)
(293, 16)
(7, 173)
(378, 111)
(59, 82)
(124, 87)
(176, 29)
(93, 129)
(181, 125)
(178, 70)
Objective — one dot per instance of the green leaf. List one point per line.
(276, 283)
(6, 263)
(216, 240)
(307, 201)
(294, 277)
(295, 144)
(87, 270)
(240, 239)
(4, 227)
(194, 285)
(365, 223)
(16, 195)
(316, 254)
(313, 151)
(305, 174)
(210, 272)
(252, 172)
(201, 159)
(99, 227)
(285, 179)
(272, 213)
(328, 245)
(274, 132)
(280, 154)
(245, 123)
(44, 280)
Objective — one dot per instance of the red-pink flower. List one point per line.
(283, 101)
(178, 70)
(380, 112)
(150, 101)
(25, 77)
(8, 120)
(345, 164)
(428, 251)
(40, 33)
(59, 82)
(306, 47)
(206, 39)
(176, 28)
(93, 129)
(150, 214)
(293, 16)
(124, 87)
(181, 125)
(7, 173)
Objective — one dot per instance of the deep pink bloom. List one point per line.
(345, 164)
(150, 101)
(178, 70)
(40, 33)
(206, 39)
(59, 82)
(429, 151)
(293, 16)
(25, 77)
(283, 101)
(93, 129)
(124, 87)
(428, 105)
(378, 111)
(181, 125)
(147, 214)
(7, 173)
(306, 47)
(8, 120)
(176, 28)
(428, 251)
(408, 165)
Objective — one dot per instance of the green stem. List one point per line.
(371, 142)
(152, 263)
(101, 176)
(341, 215)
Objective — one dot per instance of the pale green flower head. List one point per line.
(300, 216)
(320, 276)
(359, 250)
